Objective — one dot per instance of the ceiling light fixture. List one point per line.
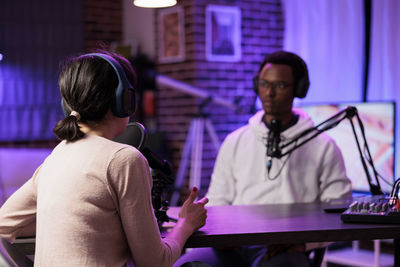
(154, 3)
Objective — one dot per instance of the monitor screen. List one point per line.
(378, 119)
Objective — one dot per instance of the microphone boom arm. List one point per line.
(334, 121)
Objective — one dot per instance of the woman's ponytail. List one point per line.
(68, 129)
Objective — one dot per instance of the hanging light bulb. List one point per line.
(154, 3)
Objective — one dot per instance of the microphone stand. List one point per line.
(161, 180)
(161, 173)
(332, 122)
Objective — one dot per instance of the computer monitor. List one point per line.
(378, 119)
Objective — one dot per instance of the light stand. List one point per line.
(332, 122)
(193, 147)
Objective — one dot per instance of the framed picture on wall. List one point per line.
(171, 35)
(223, 33)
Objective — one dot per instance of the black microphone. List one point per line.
(273, 140)
(135, 135)
(156, 162)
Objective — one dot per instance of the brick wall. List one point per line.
(262, 33)
(102, 22)
(35, 37)
(73, 27)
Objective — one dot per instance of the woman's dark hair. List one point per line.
(87, 86)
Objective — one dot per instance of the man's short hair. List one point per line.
(299, 69)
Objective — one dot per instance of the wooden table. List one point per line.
(279, 224)
(276, 224)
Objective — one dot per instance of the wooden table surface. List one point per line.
(272, 224)
(278, 224)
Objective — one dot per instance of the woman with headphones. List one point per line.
(89, 203)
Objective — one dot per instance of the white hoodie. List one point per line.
(314, 172)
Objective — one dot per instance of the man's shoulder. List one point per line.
(254, 124)
(238, 132)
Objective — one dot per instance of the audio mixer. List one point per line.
(373, 209)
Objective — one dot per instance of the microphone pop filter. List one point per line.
(135, 135)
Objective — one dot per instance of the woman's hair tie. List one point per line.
(75, 114)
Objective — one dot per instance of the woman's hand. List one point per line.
(194, 214)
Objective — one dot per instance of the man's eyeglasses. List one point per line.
(277, 86)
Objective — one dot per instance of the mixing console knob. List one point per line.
(372, 207)
(378, 207)
(384, 207)
(353, 206)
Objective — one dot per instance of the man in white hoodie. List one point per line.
(244, 173)
(313, 172)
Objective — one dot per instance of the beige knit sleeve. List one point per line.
(18, 213)
(130, 177)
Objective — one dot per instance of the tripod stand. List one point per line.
(193, 149)
(194, 138)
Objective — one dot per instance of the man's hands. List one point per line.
(194, 214)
